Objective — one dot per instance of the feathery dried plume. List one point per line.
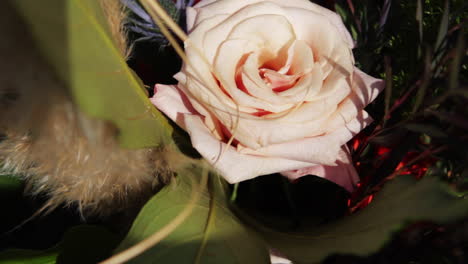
(116, 16)
(56, 148)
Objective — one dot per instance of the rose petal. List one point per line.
(230, 53)
(321, 149)
(191, 16)
(306, 89)
(234, 166)
(257, 87)
(343, 174)
(366, 87)
(365, 90)
(173, 102)
(211, 7)
(249, 23)
(169, 100)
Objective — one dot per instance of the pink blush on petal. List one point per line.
(343, 173)
(278, 82)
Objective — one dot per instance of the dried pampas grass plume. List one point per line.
(57, 149)
(116, 14)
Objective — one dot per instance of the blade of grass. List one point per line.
(455, 67)
(424, 84)
(441, 37)
(388, 87)
(443, 28)
(419, 20)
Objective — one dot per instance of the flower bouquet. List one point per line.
(233, 131)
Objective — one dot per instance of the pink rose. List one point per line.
(277, 76)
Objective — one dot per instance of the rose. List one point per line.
(270, 86)
(276, 76)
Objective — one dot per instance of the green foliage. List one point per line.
(212, 234)
(402, 201)
(23, 256)
(9, 184)
(419, 47)
(74, 37)
(81, 245)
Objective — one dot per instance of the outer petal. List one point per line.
(234, 166)
(343, 174)
(169, 100)
(321, 149)
(191, 17)
(212, 7)
(366, 87)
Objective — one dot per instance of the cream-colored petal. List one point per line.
(226, 63)
(302, 58)
(236, 26)
(366, 87)
(321, 35)
(169, 100)
(254, 83)
(343, 173)
(321, 149)
(254, 29)
(260, 132)
(306, 89)
(198, 64)
(211, 7)
(191, 16)
(335, 88)
(233, 166)
(174, 103)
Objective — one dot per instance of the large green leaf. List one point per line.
(403, 200)
(211, 232)
(80, 245)
(24, 256)
(74, 37)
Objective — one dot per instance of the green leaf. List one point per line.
(10, 184)
(74, 37)
(211, 234)
(24, 256)
(81, 244)
(401, 201)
